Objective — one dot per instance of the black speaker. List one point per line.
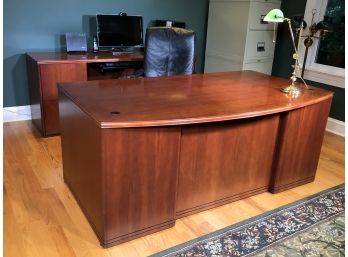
(76, 42)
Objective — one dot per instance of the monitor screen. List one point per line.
(116, 31)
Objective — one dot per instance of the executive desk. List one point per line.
(45, 70)
(140, 153)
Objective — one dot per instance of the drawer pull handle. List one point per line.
(115, 113)
(261, 46)
(261, 19)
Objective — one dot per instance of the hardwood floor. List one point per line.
(41, 217)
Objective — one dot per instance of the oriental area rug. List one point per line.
(313, 226)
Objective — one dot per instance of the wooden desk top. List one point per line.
(62, 57)
(192, 99)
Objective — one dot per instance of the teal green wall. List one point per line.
(38, 25)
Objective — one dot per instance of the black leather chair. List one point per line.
(168, 51)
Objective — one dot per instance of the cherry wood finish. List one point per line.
(177, 100)
(224, 162)
(41, 217)
(300, 138)
(50, 75)
(46, 70)
(59, 229)
(60, 57)
(118, 185)
(82, 165)
(140, 169)
(35, 93)
(163, 148)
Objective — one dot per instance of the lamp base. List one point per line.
(292, 90)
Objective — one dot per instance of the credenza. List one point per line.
(45, 70)
(140, 153)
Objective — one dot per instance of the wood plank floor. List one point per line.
(42, 218)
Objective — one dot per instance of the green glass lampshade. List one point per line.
(274, 15)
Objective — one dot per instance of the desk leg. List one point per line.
(299, 143)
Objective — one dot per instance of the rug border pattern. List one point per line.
(213, 235)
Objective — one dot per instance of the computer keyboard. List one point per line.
(121, 53)
(107, 66)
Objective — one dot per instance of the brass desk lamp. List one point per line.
(277, 16)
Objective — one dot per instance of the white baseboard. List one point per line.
(335, 126)
(16, 113)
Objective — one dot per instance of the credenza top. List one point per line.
(185, 99)
(63, 57)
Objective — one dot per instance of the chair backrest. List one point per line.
(168, 51)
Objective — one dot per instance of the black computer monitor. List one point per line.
(119, 31)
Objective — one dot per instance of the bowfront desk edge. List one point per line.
(140, 153)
